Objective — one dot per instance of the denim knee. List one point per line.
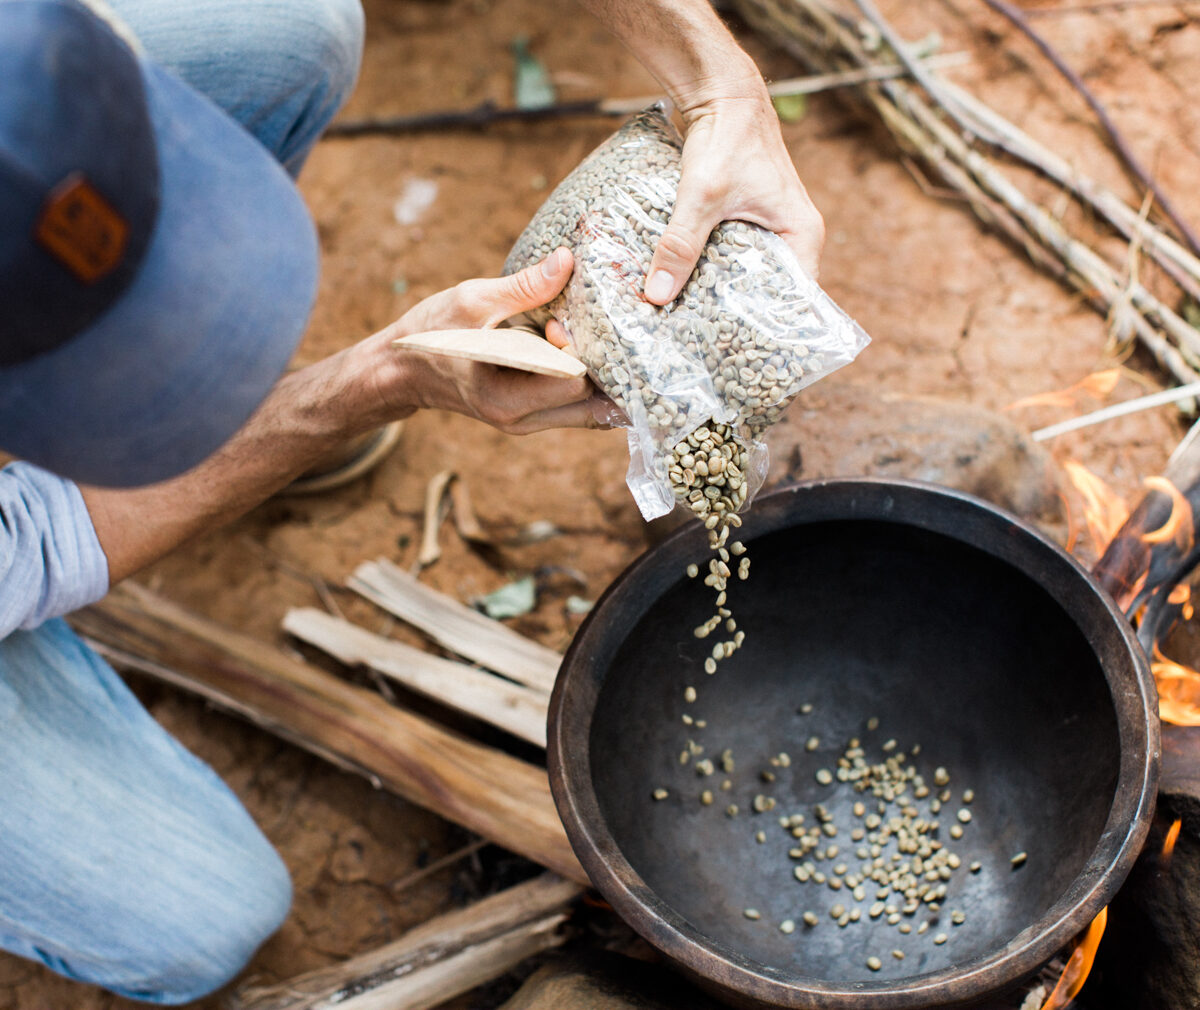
(282, 68)
(325, 40)
(201, 948)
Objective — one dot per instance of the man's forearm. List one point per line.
(315, 410)
(685, 45)
(302, 420)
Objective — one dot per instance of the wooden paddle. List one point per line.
(510, 347)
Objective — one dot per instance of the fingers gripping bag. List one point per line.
(700, 380)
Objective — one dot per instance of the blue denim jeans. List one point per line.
(125, 861)
(281, 68)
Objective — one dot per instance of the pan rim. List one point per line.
(746, 979)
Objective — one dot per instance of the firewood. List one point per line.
(458, 628)
(437, 960)
(482, 788)
(512, 707)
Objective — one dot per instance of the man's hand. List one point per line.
(514, 401)
(735, 167)
(313, 410)
(735, 164)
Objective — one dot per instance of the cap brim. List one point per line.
(179, 362)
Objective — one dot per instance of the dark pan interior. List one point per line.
(949, 648)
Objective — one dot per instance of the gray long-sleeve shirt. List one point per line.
(50, 560)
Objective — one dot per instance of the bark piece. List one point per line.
(512, 707)
(456, 627)
(438, 960)
(484, 789)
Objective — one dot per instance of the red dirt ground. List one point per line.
(955, 313)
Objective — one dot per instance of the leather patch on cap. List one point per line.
(82, 230)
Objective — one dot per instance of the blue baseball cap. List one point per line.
(157, 264)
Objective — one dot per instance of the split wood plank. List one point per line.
(510, 348)
(436, 961)
(512, 707)
(455, 626)
(485, 790)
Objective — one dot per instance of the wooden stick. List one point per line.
(929, 81)
(1179, 263)
(458, 628)
(1047, 229)
(435, 512)
(436, 961)
(465, 519)
(1109, 5)
(512, 707)
(1167, 396)
(485, 790)
(407, 881)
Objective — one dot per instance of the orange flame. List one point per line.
(1098, 385)
(1170, 840)
(1178, 691)
(1181, 597)
(1178, 527)
(1104, 512)
(1079, 964)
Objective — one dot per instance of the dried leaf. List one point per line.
(418, 196)
(512, 600)
(578, 605)
(534, 533)
(790, 108)
(532, 88)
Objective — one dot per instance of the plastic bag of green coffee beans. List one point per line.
(749, 330)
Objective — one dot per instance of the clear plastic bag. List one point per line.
(749, 330)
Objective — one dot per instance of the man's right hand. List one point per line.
(399, 381)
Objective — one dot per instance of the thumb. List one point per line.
(679, 248)
(529, 288)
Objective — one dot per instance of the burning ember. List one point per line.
(1169, 842)
(1178, 691)
(1145, 552)
(1078, 965)
(1142, 551)
(1104, 511)
(1097, 385)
